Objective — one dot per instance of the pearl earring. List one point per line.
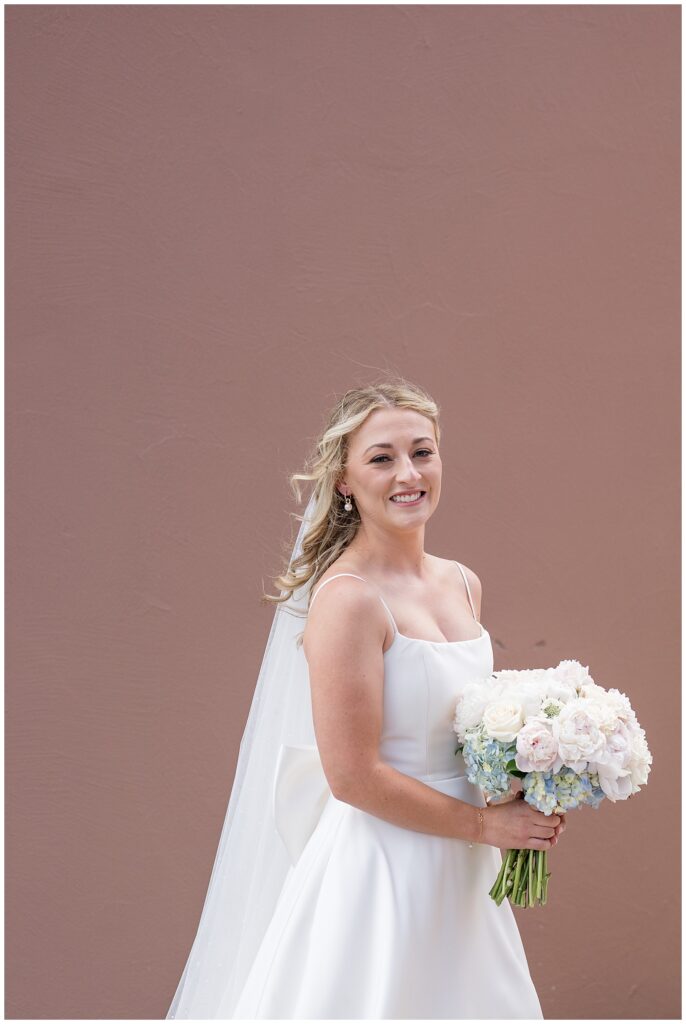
(348, 504)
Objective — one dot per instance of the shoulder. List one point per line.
(346, 606)
(351, 579)
(450, 571)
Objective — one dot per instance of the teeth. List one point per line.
(407, 497)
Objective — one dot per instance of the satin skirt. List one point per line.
(376, 921)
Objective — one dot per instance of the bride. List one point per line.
(354, 866)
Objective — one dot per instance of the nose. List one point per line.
(409, 473)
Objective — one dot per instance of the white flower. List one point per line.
(503, 719)
(497, 690)
(529, 695)
(574, 674)
(618, 753)
(641, 759)
(578, 737)
(622, 706)
(536, 748)
(471, 704)
(561, 690)
(614, 786)
(510, 677)
(550, 707)
(593, 691)
(603, 712)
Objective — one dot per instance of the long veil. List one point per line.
(278, 793)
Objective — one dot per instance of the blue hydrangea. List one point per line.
(562, 791)
(486, 760)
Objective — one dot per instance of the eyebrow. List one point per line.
(386, 444)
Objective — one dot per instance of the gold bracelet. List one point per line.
(481, 826)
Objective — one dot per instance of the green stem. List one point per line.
(500, 887)
(546, 876)
(497, 891)
(531, 893)
(523, 878)
(539, 875)
(508, 867)
(518, 871)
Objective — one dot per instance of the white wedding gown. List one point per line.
(376, 921)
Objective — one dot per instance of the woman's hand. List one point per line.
(514, 824)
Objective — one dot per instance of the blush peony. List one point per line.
(579, 738)
(536, 748)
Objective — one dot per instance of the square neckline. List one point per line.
(442, 643)
(434, 643)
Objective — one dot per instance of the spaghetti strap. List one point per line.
(469, 593)
(395, 628)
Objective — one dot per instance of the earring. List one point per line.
(348, 504)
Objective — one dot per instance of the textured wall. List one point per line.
(219, 217)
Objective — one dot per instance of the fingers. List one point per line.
(539, 844)
(546, 830)
(542, 831)
(547, 820)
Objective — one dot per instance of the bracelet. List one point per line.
(481, 826)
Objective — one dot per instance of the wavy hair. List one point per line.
(332, 528)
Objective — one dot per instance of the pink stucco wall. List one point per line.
(218, 218)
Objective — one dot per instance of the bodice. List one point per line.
(422, 682)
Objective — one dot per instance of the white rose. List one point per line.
(503, 719)
(578, 737)
(536, 748)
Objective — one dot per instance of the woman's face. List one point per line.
(394, 450)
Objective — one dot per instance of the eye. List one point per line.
(425, 451)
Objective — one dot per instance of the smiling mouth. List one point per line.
(403, 500)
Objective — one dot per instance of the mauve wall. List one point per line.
(218, 218)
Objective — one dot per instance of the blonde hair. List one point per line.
(332, 528)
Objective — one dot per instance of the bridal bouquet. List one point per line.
(570, 741)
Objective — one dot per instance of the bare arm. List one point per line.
(389, 794)
(343, 644)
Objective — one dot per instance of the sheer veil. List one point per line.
(278, 793)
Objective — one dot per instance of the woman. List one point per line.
(380, 907)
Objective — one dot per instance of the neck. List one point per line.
(401, 553)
